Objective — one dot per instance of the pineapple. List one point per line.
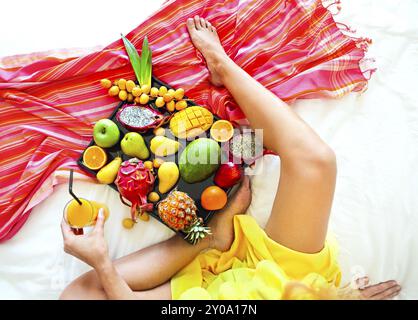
(178, 211)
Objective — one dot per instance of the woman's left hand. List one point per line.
(90, 248)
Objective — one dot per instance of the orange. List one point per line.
(213, 198)
(222, 131)
(94, 158)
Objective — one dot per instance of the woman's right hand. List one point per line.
(90, 248)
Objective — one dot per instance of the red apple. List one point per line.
(228, 175)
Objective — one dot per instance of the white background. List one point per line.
(31, 26)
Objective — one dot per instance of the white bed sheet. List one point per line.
(375, 136)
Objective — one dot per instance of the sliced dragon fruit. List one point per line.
(140, 118)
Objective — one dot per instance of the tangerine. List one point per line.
(213, 198)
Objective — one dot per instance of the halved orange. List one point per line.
(222, 130)
(94, 157)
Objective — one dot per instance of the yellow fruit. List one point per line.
(130, 97)
(159, 102)
(154, 92)
(144, 98)
(145, 88)
(159, 131)
(222, 131)
(136, 91)
(144, 217)
(94, 157)
(148, 164)
(128, 223)
(97, 206)
(123, 95)
(106, 83)
(115, 83)
(171, 91)
(157, 162)
(130, 85)
(191, 122)
(168, 97)
(163, 146)
(108, 173)
(171, 106)
(168, 174)
(114, 91)
(122, 84)
(162, 91)
(153, 196)
(180, 105)
(179, 94)
(137, 100)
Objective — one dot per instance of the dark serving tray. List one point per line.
(193, 190)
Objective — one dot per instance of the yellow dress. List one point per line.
(255, 267)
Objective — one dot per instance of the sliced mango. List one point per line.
(191, 122)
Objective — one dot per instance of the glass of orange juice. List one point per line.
(79, 216)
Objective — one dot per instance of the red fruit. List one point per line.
(228, 175)
(134, 182)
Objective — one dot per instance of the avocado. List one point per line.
(199, 160)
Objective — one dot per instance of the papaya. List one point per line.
(199, 160)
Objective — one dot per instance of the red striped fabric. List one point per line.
(50, 101)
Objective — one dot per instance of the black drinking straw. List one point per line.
(70, 188)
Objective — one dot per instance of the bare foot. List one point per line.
(206, 40)
(222, 223)
(382, 291)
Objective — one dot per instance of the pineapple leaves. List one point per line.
(146, 63)
(133, 57)
(196, 232)
(142, 65)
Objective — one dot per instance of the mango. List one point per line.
(191, 122)
(162, 146)
(199, 160)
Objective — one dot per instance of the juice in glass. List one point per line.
(85, 215)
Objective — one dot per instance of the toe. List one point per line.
(246, 183)
(203, 23)
(190, 24)
(197, 22)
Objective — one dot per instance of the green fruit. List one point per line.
(199, 160)
(106, 133)
(134, 145)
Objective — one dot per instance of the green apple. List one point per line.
(106, 133)
(133, 145)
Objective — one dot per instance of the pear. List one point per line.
(133, 145)
(108, 173)
(162, 146)
(168, 174)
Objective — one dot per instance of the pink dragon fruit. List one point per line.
(134, 182)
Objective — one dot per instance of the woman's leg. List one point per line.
(147, 269)
(303, 201)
